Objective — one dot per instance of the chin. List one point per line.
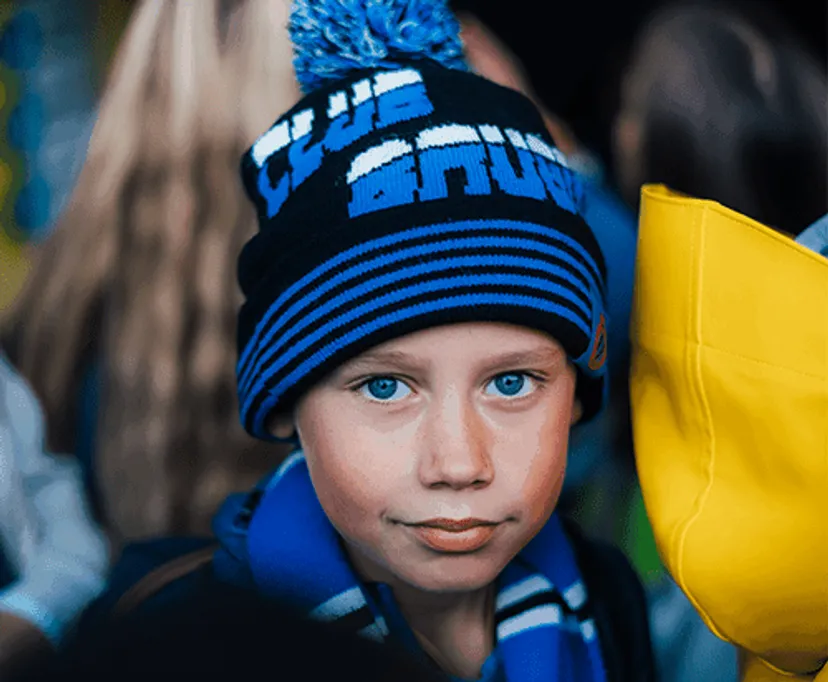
(465, 573)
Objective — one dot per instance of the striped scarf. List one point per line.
(545, 632)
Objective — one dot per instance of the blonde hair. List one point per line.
(140, 272)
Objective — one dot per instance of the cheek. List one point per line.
(533, 460)
(349, 500)
(353, 483)
(544, 471)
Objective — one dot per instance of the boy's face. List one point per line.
(439, 455)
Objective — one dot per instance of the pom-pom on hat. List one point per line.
(401, 193)
(333, 39)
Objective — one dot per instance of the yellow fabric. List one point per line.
(753, 669)
(730, 415)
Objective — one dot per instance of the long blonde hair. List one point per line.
(140, 271)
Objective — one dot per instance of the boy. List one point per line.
(424, 316)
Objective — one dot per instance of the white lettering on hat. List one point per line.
(376, 157)
(446, 135)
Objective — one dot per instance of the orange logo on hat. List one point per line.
(599, 346)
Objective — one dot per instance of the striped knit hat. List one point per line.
(401, 193)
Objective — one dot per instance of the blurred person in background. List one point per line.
(724, 103)
(576, 63)
(53, 556)
(126, 326)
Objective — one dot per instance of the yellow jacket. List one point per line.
(730, 416)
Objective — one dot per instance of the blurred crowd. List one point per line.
(118, 416)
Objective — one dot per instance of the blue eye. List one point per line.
(511, 385)
(386, 389)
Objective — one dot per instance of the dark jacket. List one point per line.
(619, 609)
(179, 568)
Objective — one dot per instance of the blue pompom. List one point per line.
(331, 38)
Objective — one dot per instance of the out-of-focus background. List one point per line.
(576, 52)
(53, 61)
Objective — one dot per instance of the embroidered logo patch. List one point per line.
(599, 346)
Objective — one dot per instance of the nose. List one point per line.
(456, 446)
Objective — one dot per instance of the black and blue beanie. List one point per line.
(401, 193)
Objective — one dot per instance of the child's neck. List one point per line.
(456, 630)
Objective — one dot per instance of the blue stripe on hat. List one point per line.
(413, 289)
(312, 312)
(544, 231)
(274, 393)
(419, 251)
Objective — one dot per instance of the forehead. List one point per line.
(465, 343)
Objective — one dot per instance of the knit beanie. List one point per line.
(401, 193)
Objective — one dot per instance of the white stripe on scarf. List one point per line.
(540, 616)
(534, 584)
(340, 605)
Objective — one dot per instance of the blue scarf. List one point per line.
(543, 625)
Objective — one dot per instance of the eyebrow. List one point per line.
(526, 358)
(405, 361)
(387, 358)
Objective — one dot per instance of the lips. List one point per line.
(450, 536)
(455, 525)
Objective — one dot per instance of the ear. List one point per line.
(281, 425)
(577, 412)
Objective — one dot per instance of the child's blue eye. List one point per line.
(511, 385)
(385, 389)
